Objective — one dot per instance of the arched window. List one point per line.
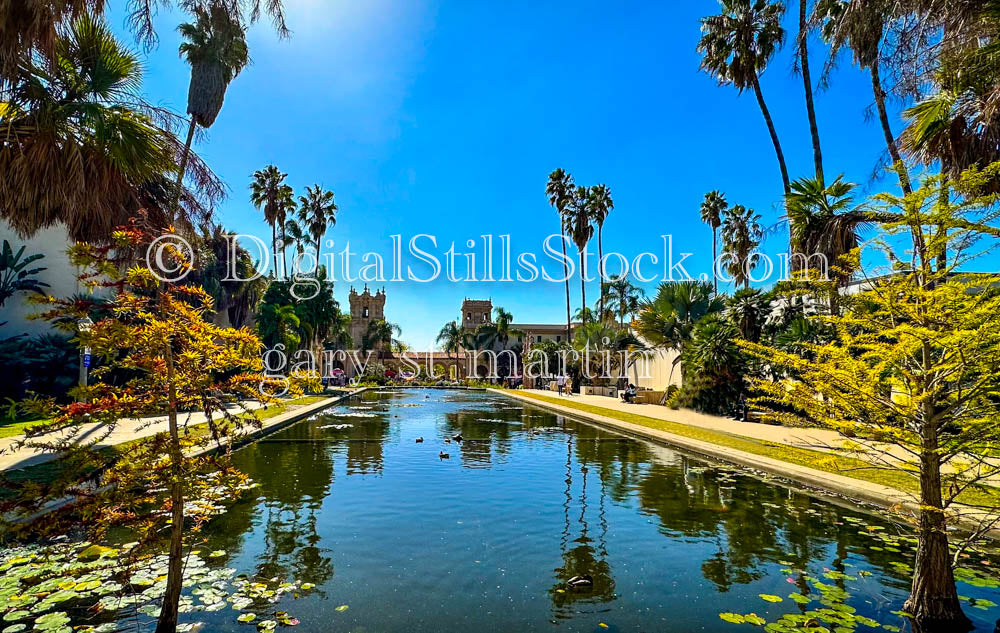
(364, 313)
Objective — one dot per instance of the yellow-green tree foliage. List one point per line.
(208, 366)
(913, 370)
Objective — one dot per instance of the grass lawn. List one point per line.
(10, 428)
(818, 460)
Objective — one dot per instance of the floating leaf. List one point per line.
(342, 607)
(52, 621)
(770, 597)
(96, 551)
(247, 617)
(735, 618)
(753, 618)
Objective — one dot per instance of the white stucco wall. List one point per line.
(59, 274)
(658, 371)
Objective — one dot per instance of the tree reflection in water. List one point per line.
(650, 526)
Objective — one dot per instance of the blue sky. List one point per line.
(445, 118)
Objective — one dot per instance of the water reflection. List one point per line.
(528, 502)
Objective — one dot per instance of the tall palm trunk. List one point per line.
(890, 140)
(583, 289)
(274, 249)
(175, 206)
(807, 83)
(773, 133)
(600, 266)
(776, 143)
(284, 249)
(715, 250)
(562, 234)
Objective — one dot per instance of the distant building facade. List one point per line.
(365, 308)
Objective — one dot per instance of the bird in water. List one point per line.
(457, 437)
(443, 455)
(580, 582)
(419, 440)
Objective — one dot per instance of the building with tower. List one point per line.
(365, 308)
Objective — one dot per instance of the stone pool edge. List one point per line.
(856, 489)
(269, 426)
(279, 422)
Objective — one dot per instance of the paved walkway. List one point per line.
(879, 495)
(801, 437)
(817, 439)
(14, 455)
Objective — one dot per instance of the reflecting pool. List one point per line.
(396, 536)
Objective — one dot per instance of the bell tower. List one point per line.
(476, 312)
(365, 308)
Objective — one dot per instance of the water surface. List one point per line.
(487, 538)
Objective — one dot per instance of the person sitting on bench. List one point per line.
(629, 393)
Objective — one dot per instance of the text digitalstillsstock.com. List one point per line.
(489, 259)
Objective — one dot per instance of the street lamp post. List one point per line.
(83, 326)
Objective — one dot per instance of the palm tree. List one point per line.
(268, 192)
(80, 147)
(318, 212)
(578, 222)
(339, 331)
(236, 300)
(381, 334)
(861, 25)
(30, 27)
(823, 222)
(499, 331)
(216, 48)
(746, 310)
(15, 276)
(669, 319)
(711, 214)
(279, 324)
(559, 190)
(803, 62)
(285, 206)
(601, 205)
(296, 236)
(623, 297)
(33, 27)
(741, 235)
(584, 314)
(451, 337)
(599, 337)
(736, 46)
